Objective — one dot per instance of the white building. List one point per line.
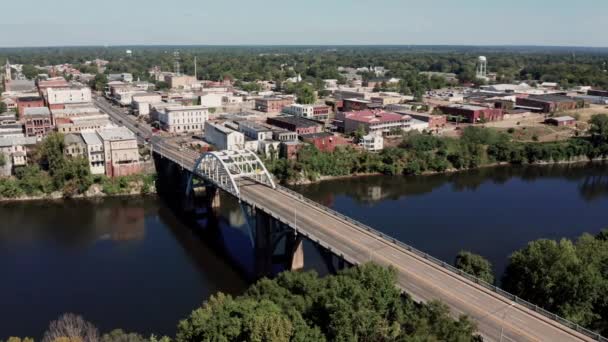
(254, 130)
(372, 143)
(14, 151)
(95, 153)
(211, 100)
(142, 102)
(223, 137)
(68, 95)
(305, 111)
(121, 152)
(182, 119)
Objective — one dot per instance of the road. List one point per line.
(497, 318)
(117, 116)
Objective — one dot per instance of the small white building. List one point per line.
(305, 111)
(223, 137)
(372, 143)
(183, 119)
(14, 152)
(95, 153)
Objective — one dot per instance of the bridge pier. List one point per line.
(333, 262)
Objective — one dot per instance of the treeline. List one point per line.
(317, 63)
(358, 304)
(422, 153)
(568, 278)
(49, 170)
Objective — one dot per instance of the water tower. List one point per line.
(482, 67)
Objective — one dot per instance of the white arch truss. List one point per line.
(225, 168)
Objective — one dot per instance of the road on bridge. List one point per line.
(497, 318)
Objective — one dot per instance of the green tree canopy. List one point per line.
(476, 265)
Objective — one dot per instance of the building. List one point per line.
(124, 77)
(121, 153)
(312, 112)
(74, 146)
(211, 100)
(59, 97)
(273, 104)
(548, 103)
(183, 119)
(94, 152)
(223, 137)
(296, 124)
(354, 104)
(385, 100)
(597, 92)
(289, 149)
(11, 130)
(55, 82)
(326, 142)
(142, 102)
(19, 86)
(182, 82)
(28, 102)
(283, 135)
(254, 130)
(434, 121)
(372, 143)
(15, 151)
(85, 122)
(473, 113)
(377, 122)
(561, 121)
(37, 121)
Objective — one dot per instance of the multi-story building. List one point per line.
(296, 124)
(142, 102)
(473, 113)
(59, 97)
(273, 104)
(182, 82)
(284, 135)
(121, 153)
(14, 150)
(349, 105)
(182, 119)
(223, 137)
(74, 146)
(85, 122)
(55, 82)
(326, 142)
(124, 77)
(372, 143)
(312, 112)
(94, 152)
(28, 102)
(37, 121)
(254, 130)
(377, 122)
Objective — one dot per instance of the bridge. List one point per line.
(499, 316)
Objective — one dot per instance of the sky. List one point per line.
(304, 22)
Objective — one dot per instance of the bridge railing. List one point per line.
(443, 264)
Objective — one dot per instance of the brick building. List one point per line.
(548, 103)
(472, 113)
(326, 142)
(273, 104)
(37, 121)
(349, 105)
(296, 124)
(28, 102)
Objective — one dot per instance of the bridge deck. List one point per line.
(420, 278)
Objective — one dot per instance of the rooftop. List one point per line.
(37, 111)
(29, 99)
(317, 135)
(467, 107)
(12, 141)
(563, 118)
(69, 139)
(551, 98)
(294, 120)
(91, 138)
(116, 133)
(368, 116)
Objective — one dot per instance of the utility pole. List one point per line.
(195, 73)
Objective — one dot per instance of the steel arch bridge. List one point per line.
(224, 169)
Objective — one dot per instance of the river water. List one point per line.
(131, 263)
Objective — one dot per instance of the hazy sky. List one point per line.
(475, 22)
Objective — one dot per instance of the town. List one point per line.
(111, 124)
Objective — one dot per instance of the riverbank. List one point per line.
(101, 187)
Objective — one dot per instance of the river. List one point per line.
(131, 263)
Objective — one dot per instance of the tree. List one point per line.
(305, 94)
(3, 107)
(599, 128)
(100, 82)
(72, 328)
(118, 335)
(30, 71)
(2, 159)
(475, 265)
